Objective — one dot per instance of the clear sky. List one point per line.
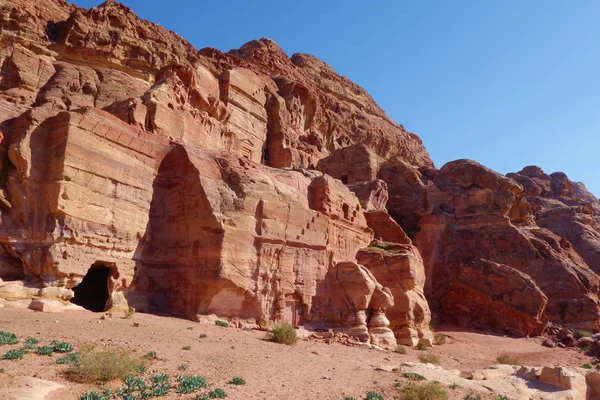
(508, 83)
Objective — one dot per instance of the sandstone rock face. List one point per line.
(359, 303)
(475, 214)
(400, 266)
(565, 208)
(146, 173)
(487, 295)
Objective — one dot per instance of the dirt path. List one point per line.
(272, 371)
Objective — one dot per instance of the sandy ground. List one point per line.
(308, 370)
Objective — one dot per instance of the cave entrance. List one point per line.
(92, 293)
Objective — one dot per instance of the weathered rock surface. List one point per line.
(565, 208)
(475, 213)
(141, 170)
(401, 268)
(487, 295)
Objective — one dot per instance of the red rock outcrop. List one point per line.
(486, 295)
(401, 268)
(166, 178)
(479, 214)
(565, 208)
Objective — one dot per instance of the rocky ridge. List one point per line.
(140, 172)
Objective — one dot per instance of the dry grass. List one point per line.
(424, 391)
(103, 366)
(505, 358)
(283, 333)
(429, 358)
(439, 339)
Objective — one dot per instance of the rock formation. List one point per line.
(137, 171)
(487, 295)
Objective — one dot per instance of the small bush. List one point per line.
(1, 370)
(30, 343)
(14, 354)
(421, 346)
(374, 396)
(182, 367)
(62, 347)
(202, 336)
(439, 339)
(190, 384)
(349, 398)
(580, 333)
(283, 333)
(586, 366)
(218, 393)
(222, 323)
(8, 338)
(429, 358)
(186, 348)
(500, 397)
(454, 386)
(472, 396)
(103, 366)
(93, 396)
(151, 355)
(44, 350)
(71, 358)
(505, 358)
(424, 391)
(236, 380)
(413, 376)
(133, 384)
(400, 349)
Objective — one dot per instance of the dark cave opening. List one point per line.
(92, 293)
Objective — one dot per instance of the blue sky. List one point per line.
(508, 83)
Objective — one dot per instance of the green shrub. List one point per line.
(222, 323)
(429, 358)
(424, 391)
(14, 354)
(400, 349)
(439, 339)
(580, 333)
(454, 386)
(283, 333)
(103, 366)
(93, 396)
(236, 380)
(374, 396)
(218, 393)
(1, 370)
(500, 397)
(71, 358)
(133, 384)
(151, 355)
(421, 346)
(190, 384)
(182, 367)
(8, 338)
(187, 347)
(44, 350)
(203, 336)
(413, 376)
(30, 343)
(505, 358)
(472, 396)
(62, 347)
(586, 366)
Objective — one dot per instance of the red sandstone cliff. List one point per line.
(146, 173)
